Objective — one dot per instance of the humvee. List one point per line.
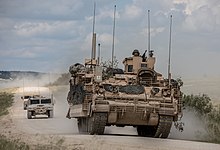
(40, 106)
(25, 100)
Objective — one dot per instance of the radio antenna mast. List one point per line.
(93, 55)
(148, 31)
(113, 40)
(99, 47)
(170, 38)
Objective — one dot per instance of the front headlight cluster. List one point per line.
(166, 92)
(99, 89)
(155, 90)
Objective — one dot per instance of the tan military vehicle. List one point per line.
(39, 106)
(25, 99)
(138, 96)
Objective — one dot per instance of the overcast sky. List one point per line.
(50, 35)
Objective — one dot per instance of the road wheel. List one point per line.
(82, 125)
(147, 131)
(29, 114)
(96, 123)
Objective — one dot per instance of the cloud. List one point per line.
(57, 33)
(31, 29)
(42, 10)
(202, 15)
(153, 31)
(132, 12)
(19, 53)
(49, 29)
(106, 39)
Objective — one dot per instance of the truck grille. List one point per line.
(40, 110)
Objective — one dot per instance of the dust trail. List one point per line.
(29, 81)
(194, 128)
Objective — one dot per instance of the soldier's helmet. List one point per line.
(136, 53)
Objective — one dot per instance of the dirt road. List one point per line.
(63, 133)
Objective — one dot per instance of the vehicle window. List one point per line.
(36, 101)
(45, 101)
(130, 68)
(35, 96)
(144, 65)
(26, 97)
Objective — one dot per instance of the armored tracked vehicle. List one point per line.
(138, 96)
(39, 106)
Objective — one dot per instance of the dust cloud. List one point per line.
(29, 81)
(194, 128)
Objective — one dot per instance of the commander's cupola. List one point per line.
(136, 62)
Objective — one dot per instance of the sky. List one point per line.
(51, 35)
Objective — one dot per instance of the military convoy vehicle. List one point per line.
(39, 106)
(25, 99)
(138, 96)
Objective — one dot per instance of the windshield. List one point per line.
(26, 97)
(35, 101)
(45, 101)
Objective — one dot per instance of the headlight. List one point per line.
(155, 90)
(166, 92)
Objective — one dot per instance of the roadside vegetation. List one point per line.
(6, 144)
(6, 100)
(207, 112)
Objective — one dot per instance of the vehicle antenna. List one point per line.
(113, 40)
(169, 73)
(23, 84)
(49, 85)
(93, 55)
(148, 31)
(38, 88)
(99, 47)
(94, 9)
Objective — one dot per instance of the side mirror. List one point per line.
(53, 100)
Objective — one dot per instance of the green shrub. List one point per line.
(202, 105)
(6, 144)
(6, 100)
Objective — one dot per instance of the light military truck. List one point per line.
(40, 106)
(138, 96)
(25, 99)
